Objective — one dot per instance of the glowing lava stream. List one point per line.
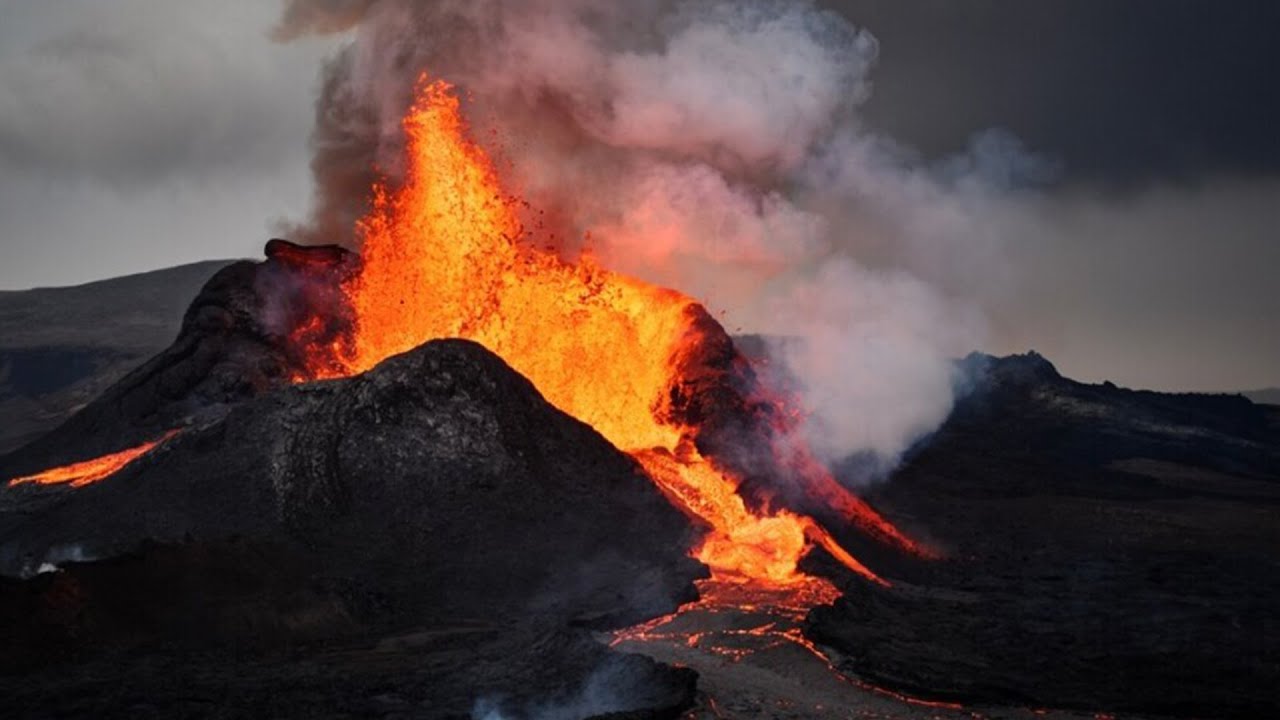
(733, 622)
(91, 471)
(445, 255)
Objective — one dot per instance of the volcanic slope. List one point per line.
(61, 347)
(228, 348)
(435, 500)
(1107, 549)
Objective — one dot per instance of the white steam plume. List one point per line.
(713, 147)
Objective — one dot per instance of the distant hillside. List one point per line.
(1268, 396)
(1091, 534)
(60, 347)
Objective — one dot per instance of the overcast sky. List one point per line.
(137, 134)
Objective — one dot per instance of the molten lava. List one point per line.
(91, 471)
(731, 623)
(445, 255)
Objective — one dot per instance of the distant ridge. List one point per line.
(61, 346)
(1266, 396)
(143, 306)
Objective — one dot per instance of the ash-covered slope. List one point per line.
(438, 490)
(61, 347)
(1106, 549)
(231, 347)
(413, 540)
(442, 475)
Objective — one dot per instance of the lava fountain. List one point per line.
(444, 254)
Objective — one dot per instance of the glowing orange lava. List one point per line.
(445, 255)
(735, 621)
(91, 471)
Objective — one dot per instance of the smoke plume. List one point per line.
(714, 147)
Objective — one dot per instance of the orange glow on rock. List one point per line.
(445, 255)
(91, 471)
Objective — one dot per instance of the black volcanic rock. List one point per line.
(230, 348)
(62, 347)
(440, 475)
(436, 491)
(424, 539)
(1106, 549)
(98, 640)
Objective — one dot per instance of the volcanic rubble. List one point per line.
(430, 538)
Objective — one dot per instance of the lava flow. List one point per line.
(91, 471)
(445, 255)
(732, 623)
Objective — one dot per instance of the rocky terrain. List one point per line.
(61, 347)
(428, 514)
(1106, 549)
(432, 539)
(428, 537)
(232, 346)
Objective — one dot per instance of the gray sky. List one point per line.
(137, 134)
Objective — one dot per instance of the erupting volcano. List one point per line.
(445, 254)
(631, 360)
